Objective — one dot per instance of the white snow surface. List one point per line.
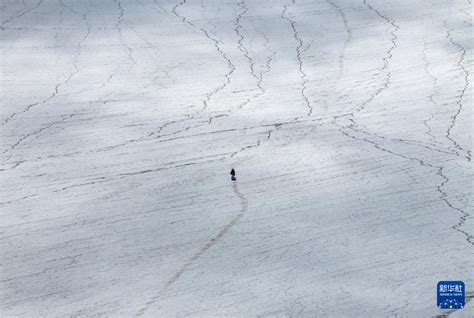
(349, 124)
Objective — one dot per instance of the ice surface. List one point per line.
(348, 123)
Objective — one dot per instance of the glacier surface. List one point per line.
(349, 124)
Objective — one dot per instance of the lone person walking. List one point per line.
(232, 173)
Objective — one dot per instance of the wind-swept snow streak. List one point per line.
(299, 59)
(210, 243)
